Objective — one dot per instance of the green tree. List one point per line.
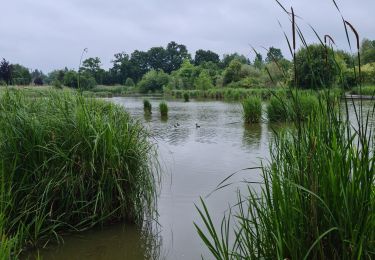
(175, 55)
(202, 56)
(153, 81)
(129, 82)
(258, 61)
(367, 51)
(20, 75)
(233, 72)
(157, 58)
(234, 56)
(6, 71)
(140, 64)
(92, 66)
(204, 81)
(316, 67)
(273, 55)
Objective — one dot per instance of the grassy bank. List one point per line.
(316, 199)
(68, 164)
(365, 90)
(238, 94)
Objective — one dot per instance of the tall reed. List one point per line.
(67, 164)
(252, 110)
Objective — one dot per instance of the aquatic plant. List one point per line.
(68, 163)
(278, 109)
(163, 109)
(252, 110)
(186, 97)
(147, 107)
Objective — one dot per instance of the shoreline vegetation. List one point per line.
(70, 163)
(316, 196)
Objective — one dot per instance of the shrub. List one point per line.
(252, 110)
(163, 109)
(57, 84)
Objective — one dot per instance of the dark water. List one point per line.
(194, 161)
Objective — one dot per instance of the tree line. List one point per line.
(173, 67)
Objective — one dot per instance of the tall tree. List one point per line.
(258, 61)
(202, 56)
(157, 58)
(93, 67)
(6, 71)
(139, 61)
(368, 51)
(20, 75)
(234, 56)
(274, 54)
(175, 55)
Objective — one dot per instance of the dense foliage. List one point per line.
(67, 164)
(173, 68)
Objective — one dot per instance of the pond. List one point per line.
(194, 161)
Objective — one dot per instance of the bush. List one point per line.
(153, 81)
(252, 110)
(57, 84)
(70, 163)
(163, 109)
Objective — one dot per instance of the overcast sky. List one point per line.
(49, 34)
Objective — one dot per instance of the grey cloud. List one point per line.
(51, 34)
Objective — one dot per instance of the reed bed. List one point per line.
(317, 198)
(68, 164)
(252, 110)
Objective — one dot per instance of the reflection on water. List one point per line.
(195, 161)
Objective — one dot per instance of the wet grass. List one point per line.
(67, 164)
(252, 110)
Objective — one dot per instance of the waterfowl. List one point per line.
(197, 126)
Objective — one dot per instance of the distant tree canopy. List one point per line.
(202, 56)
(6, 71)
(274, 54)
(367, 51)
(172, 67)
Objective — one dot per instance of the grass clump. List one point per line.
(316, 199)
(252, 110)
(278, 109)
(68, 164)
(186, 97)
(163, 109)
(365, 90)
(147, 107)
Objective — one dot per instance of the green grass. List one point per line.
(316, 198)
(68, 164)
(147, 107)
(365, 90)
(252, 110)
(163, 109)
